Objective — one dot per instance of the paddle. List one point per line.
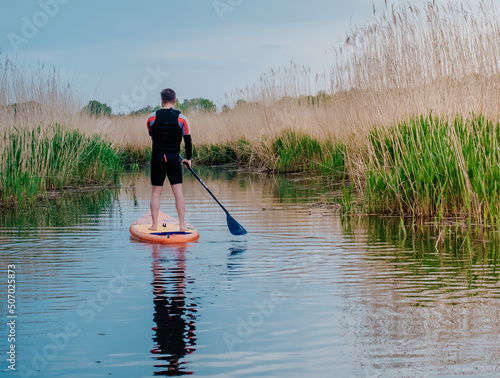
(234, 227)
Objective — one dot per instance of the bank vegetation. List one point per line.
(407, 113)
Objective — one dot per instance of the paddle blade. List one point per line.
(234, 227)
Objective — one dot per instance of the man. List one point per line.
(167, 128)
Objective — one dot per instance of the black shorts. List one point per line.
(165, 164)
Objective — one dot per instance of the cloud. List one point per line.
(206, 62)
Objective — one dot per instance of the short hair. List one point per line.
(168, 95)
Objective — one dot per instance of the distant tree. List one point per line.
(240, 102)
(21, 107)
(96, 108)
(180, 106)
(225, 108)
(196, 105)
(322, 95)
(146, 110)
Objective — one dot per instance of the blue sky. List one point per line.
(124, 52)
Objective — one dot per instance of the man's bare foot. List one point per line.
(153, 228)
(182, 227)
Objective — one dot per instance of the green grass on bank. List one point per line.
(53, 158)
(431, 167)
(290, 151)
(135, 156)
(424, 167)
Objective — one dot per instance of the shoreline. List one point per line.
(426, 167)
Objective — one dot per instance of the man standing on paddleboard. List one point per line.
(167, 127)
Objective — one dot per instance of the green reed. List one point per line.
(289, 151)
(215, 154)
(135, 155)
(293, 151)
(53, 158)
(429, 166)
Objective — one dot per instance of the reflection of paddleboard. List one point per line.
(166, 233)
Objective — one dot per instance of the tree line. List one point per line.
(191, 106)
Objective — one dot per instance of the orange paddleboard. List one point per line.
(167, 232)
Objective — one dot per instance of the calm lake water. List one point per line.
(306, 293)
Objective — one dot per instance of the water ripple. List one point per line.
(303, 294)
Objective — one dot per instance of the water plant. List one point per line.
(408, 61)
(429, 166)
(53, 158)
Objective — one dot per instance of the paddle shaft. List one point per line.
(208, 190)
(234, 227)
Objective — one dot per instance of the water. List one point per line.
(305, 293)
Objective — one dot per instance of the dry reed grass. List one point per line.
(440, 57)
(31, 97)
(45, 141)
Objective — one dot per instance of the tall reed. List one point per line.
(53, 158)
(428, 166)
(288, 151)
(441, 57)
(44, 144)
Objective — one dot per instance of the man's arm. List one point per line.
(151, 120)
(189, 146)
(184, 125)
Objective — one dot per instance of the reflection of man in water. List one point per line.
(174, 331)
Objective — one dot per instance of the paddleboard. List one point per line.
(167, 232)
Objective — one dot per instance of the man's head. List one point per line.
(168, 96)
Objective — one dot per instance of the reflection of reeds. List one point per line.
(402, 299)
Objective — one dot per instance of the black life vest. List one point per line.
(166, 132)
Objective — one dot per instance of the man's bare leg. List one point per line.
(155, 205)
(180, 204)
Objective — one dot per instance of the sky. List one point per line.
(124, 52)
